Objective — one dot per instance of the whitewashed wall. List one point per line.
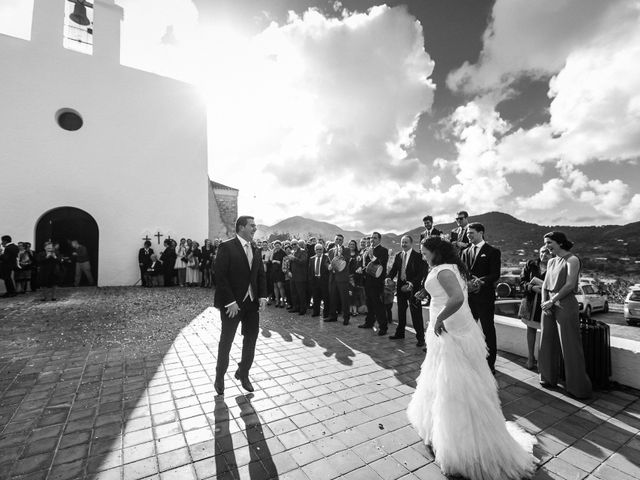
(138, 163)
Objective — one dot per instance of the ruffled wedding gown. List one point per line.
(456, 408)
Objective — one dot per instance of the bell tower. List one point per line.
(70, 24)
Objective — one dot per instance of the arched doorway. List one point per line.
(64, 224)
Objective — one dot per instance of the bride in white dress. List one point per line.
(455, 408)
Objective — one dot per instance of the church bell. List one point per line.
(79, 14)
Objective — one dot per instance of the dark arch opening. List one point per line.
(62, 225)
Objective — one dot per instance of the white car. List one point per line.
(591, 300)
(632, 306)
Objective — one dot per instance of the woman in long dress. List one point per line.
(455, 408)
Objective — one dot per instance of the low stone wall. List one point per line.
(511, 337)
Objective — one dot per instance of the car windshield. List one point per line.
(635, 296)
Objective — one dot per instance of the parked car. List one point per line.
(590, 300)
(632, 306)
(508, 286)
(508, 307)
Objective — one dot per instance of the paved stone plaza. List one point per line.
(117, 383)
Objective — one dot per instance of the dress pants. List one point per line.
(320, 293)
(248, 316)
(483, 309)
(8, 282)
(338, 299)
(416, 315)
(560, 335)
(299, 295)
(375, 305)
(83, 268)
(143, 274)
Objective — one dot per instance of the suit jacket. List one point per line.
(343, 276)
(416, 270)
(9, 259)
(459, 235)
(299, 265)
(381, 255)
(145, 257)
(485, 267)
(233, 274)
(434, 233)
(168, 258)
(324, 268)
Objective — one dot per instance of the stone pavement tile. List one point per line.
(173, 459)
(388, 468)
(202, 450)
(305, 454)
(410, 459)
(104, 462)
(32, 464)
(363, 473)
(40, 446)
(172, 442)
(626, 460)
(346, 461)
(564, 469)
(605, 472)
(579, 459)
(71, 454)
(186, 472)
(207, 468)
(284, 462)
(167, 429)
(322, 468)
(67, 471)
(138, 452)
(296, 475)
(292, 439)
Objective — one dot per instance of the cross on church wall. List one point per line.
(158, 235)
(146, 238)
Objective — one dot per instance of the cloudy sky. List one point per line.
(372, 115)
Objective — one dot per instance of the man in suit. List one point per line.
(241, 289)
(299, 272)
(144, 261)
(483, 262)
(338, 284)
(429, 229)
(410, 269)
(8, 264)
(319, 280)
(374, 287)
(459, 235)
(168, 260)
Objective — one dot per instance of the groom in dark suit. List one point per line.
(483, 262)
(241, 289)
(410, 269)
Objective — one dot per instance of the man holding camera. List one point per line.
(410, 269)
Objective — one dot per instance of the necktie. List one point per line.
(247, 249)
(403, 271)
(473, 255)
(318, 266)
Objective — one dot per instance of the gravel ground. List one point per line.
(136, 319)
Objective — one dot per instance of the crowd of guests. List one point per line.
(22, 269)
(345, 279)
(184, 264)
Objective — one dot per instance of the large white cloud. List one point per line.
(590, 50)
(326, 109)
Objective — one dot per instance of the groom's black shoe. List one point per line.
(382, 333)
(218, 384)
(396, 337)
(244, 381)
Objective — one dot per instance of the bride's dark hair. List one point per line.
(444, 252)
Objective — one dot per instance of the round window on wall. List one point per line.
(69, 119)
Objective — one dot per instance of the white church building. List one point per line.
(93, 150)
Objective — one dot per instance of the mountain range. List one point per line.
(516, 238)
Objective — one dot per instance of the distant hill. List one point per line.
(516, 239)
(301, 227)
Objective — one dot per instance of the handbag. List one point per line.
(526, 309)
